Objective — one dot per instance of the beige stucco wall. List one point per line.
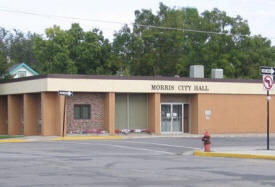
(232, 113)
(15, 115)
(129, 86)
(175, 98)
(31, 109)
(194, 114)
(21, 87)
(52, 111)
(61, 116)
(235, 107)
(145, 86)
(154, 113)
(109, 113)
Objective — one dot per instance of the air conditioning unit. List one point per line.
(197, 71)
(217, 73)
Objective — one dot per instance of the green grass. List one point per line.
(7, 136)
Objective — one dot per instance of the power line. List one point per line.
(116, 22)
(57, 16)
(112, 22)
(187, 30)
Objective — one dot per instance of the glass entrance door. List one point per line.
(166, 118)
(171, 118)
(177, 117)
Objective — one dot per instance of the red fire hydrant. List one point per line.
(206, 140)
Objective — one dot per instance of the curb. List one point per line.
(62, 138)
(86, 138)
(13, 140)
(232, 155)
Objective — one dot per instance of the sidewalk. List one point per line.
(92, 136)
(57, 138)
(238, 152)
(127, 136)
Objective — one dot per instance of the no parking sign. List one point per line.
(268, 82)
(267, 73)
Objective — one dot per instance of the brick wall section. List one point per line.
(96, 100)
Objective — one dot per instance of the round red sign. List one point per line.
(268, 82)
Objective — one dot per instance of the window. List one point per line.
(131, 111)
(82, 111)
(21, 74)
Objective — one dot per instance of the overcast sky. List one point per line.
(259, 13)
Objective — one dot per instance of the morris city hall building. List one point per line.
(165, 105)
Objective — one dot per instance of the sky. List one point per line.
(101, 14)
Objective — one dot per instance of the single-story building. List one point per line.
(165, 105)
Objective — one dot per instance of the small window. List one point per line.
(82, 111)
(21, 74)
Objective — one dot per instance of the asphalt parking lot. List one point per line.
(147, 162)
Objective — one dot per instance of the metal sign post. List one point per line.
(64, 93)
(267, 125)
(268, 84)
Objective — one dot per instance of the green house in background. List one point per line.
(21, 70)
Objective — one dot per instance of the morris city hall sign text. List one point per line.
(187, 88)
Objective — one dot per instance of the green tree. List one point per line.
(158, 51)
(154, 48)
(17, 46)
(4, 34)
(73, 51)
(53, 54)
(21, 47)
(3, 67)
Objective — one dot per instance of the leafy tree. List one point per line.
(21, 47)
(154, 48)
(74, 51)
(3, 67)
(16, 46)
(4, 34)
(53, 54)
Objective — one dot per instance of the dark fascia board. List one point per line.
(114, 77)
(23, 79)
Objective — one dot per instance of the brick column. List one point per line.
(194, 114)
(51, 114)
(3, 115)
(109, 113)
(154, 112)
(14, 115)
(31, 114)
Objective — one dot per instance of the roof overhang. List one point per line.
(78, 83)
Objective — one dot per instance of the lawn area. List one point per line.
(7, 136)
